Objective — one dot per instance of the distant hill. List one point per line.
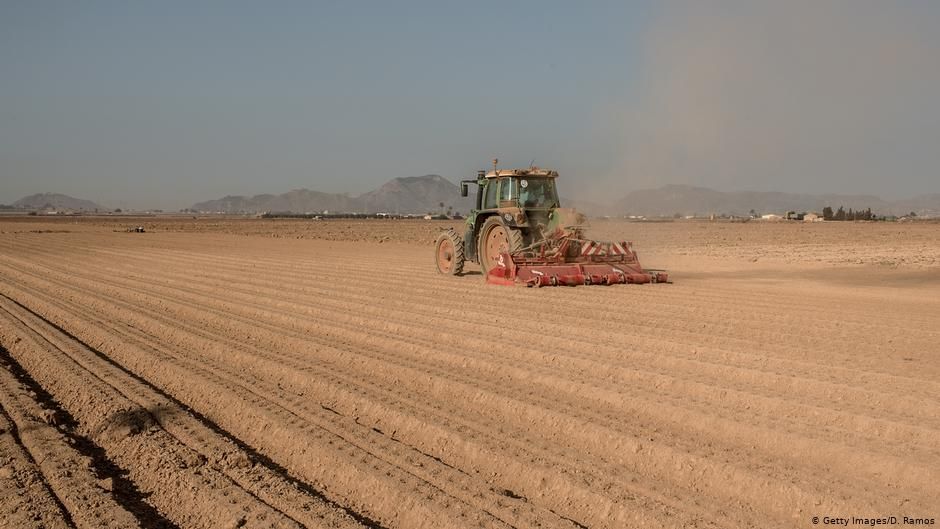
(689, 200)
(922, 205)
(57, 202)
(298, 201)
(415, 194)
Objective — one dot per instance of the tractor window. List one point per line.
(489, 200)
(537, 193)
(505, 189)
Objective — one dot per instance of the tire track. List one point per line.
(183, 489)
(26, 500)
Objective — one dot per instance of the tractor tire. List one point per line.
(494, 239)
(448, 253)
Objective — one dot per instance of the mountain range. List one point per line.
(414, 194)
(423, 194)
(56, 201)
(420, 194)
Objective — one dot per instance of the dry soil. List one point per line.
(298, 373)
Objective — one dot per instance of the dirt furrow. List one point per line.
(722, 398)
(649, 397)
(642, 365)
(68, 474)
(177, 482)
(26, 500)
(723, 306)
(498, 493)
(348, 459)
(215, 448)
(650, 327)
(646, 328)
(751, 379)
(359, 405)
(724, 309)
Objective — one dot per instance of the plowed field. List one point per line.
(299, 374)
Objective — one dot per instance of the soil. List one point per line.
(230, 372)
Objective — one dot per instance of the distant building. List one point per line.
(771, 216)
(812, 217)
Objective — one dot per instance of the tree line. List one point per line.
(842, 214)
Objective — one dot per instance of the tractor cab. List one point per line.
(529, 189)
(511, 204)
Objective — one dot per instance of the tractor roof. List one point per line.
(530, 171)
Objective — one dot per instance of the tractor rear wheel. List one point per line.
(448, 253)
(496, 238)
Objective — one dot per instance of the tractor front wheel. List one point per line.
(448, 253)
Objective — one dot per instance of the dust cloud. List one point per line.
(800, 96)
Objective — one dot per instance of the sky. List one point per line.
(163, 104)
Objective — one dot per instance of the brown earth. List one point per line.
(293, 373)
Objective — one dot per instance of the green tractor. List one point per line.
(513, 209)
(520, 235)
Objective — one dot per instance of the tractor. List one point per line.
(519, 234)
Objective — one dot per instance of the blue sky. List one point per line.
(163, 104)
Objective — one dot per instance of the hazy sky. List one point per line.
(163, 104)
